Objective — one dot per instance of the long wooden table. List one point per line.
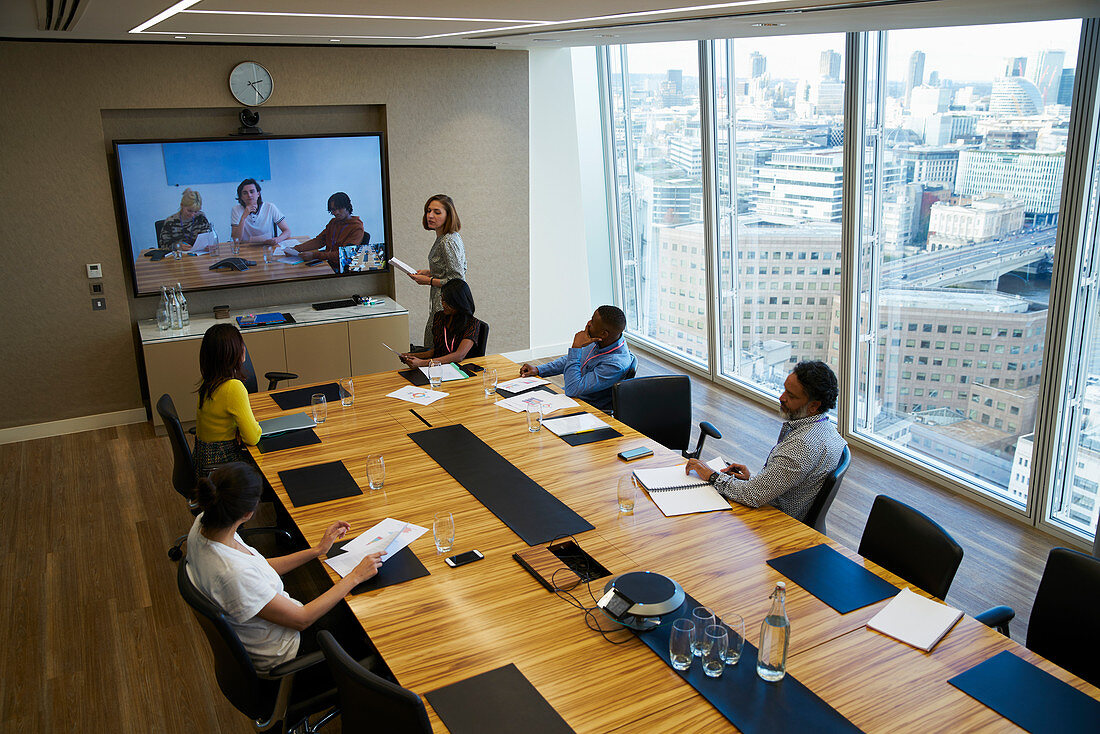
(457, 623)
(193, 271)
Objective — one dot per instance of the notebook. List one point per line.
(285, 423)
(915, 620)
(677, 493)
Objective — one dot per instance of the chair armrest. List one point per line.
(297, 665)
(274, 378)
(281, 536)
(997, 618)
(708, 428)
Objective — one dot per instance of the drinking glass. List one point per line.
(320, 408)
(376, 471)
(703, 618)
(435, 374)
(443, 530)
(679, 644)
(269, 253)
(534, 416)
(716, 641)
(347, 392)
(736, 634)
(489, 381)
(235, 247)
(627, 491)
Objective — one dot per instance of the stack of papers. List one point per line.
(915, 620)
(522, 383)
(387, 537)
(418, 395)
(550, 402)
(402, 266)
(450, 372)
(569, 424)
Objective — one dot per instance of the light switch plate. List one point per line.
(95, 270)
(99, 304)
(96, 289)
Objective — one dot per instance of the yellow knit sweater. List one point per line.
(225, 414)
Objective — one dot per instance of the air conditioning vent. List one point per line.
(59, 15)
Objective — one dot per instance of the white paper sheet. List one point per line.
(522, 383)
(450, 372)
(550, 402)
(418, 395)
(402, 266)
(573, 424)
(388, 536)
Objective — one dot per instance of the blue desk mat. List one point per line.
(836, 580)
(518, 501)
(750, 703)
(1029, 697)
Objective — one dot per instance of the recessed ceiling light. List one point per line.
(607, 35)
(768, 25)
(547, 40)
(181, 36)
(334, 40)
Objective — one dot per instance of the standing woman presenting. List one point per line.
(446, 259)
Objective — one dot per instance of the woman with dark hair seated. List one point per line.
(224, 421)
(247, 586)
(454, 329)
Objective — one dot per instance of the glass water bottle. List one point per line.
(185, 315)
(775, 636)
(164, 320)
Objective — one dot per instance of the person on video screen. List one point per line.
(179, 229)
(255, 220)
(341, 231)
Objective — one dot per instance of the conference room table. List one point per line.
(459, 622)
(193, 270)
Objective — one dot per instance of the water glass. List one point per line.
(443, 530)
(347, 392)
(269, 253)
(703, 618)
(435, 374)
(716, 640)
(320, 408)
(235, 247)
(736, 635)
(376, 471)
(534, 416)
(679, 644)
(627, 491)
(489, 381)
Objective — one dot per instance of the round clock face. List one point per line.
(250, 83)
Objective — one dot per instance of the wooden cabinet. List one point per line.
(366, 339)
(318, 353)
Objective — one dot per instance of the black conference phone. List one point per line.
(236, 263)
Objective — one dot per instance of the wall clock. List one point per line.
(250, 83)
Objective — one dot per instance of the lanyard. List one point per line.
(597, 353)
(450, 347)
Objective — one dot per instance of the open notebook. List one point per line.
(677, 493)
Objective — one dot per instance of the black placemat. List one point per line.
(750, 703)
(500, 701)
(1029, 697)
(288, 440)
(600, 434)
(401, 567)
(836, 580)
(523, 505)
(415, 376)
(300, 397)
(536, 388)
(309, 485)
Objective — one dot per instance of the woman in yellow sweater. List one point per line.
(225, 421)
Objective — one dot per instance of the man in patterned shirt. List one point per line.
(808, 450)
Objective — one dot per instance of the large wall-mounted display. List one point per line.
(226, 212)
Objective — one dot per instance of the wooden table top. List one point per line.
(457, 623)
(193, 271)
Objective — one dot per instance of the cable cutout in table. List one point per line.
(429, 425)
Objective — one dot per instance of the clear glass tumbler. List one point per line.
(376, 471)
(347, 392)
(736, 632)
(435, 374)
(628, 490)
(534, 416)
(703, 618)
(320, 408)
(716, 640)
(489, 381)
(679, 644)
(443, 531)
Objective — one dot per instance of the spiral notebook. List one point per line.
(677, 493)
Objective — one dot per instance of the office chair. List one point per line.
(1062, 626)
(251, 384)
(824, 499)
(478, 350)
(159, 227)
(907, 542)
(660, 407)
(183, 464)
(367, 701)
(281, 697)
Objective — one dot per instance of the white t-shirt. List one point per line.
(241, 584)
(259, 226)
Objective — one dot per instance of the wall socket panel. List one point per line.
(95, 270)
(99, 304)
(96, 289)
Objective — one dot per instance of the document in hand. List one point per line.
(915, 620)
(677, 493)
(388, 537)
(450, 372)
(402, 266)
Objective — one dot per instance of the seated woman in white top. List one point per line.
(253, 219)
(247, 586)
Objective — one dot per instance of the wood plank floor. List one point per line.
(96, 638)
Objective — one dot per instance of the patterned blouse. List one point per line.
(808, 449)
(446, 261)
(174, 232)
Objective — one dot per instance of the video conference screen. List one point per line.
(179, 202)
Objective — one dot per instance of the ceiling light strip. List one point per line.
(164, 15)
(357, 16)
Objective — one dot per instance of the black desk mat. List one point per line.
(500, 701)
(751, 704)
(836, 580)
(1029, 697)
(509, 394)
(309, 485)
(415, 376)
(300, 397)
(401, 567)
(288, 440)
(579, 439)
(519, 502)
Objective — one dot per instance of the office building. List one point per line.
(929, 164)
(759, 64)
(1015, 96)
(1065, 87)
(914, 74)
(807, 184)
(1015, 66)
(830, 65)
(901, 218)
(926, 101)
(1031, 176)
(971, 222)
(1047, 74)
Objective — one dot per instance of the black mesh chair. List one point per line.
(1062, 628)
(660, 407)
(478, 350)
(159, 227)
(251, 384)
(824, 499)
(183, 465)
(369, 702)
(281, 697)
(907, 542)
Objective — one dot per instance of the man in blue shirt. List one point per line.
(597, 360)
